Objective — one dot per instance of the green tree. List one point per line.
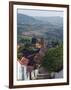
(53, 59)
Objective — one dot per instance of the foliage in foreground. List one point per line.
(53, 59)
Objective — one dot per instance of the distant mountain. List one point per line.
(50, 28)
(28, 23)
(54, 20)
(24, 19)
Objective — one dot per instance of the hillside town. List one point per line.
(29, 65)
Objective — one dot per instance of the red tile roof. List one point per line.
(23, 61)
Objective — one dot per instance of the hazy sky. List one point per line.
(43, 13)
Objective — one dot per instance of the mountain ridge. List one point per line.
(45, 28)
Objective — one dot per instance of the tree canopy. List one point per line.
(53, 59)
